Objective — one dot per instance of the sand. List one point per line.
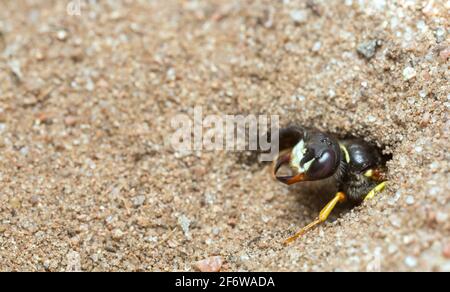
(88, 182)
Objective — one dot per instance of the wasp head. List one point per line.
(314, 156)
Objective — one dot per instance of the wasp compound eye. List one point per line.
(323, 166)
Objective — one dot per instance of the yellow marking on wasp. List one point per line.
(375, 190)
(347, 156)
(368, 173)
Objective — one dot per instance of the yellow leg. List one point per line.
(375, 190)
(340, 197)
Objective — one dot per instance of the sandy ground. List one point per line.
(87, 182)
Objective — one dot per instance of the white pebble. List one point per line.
(138, 201)
(434, 165)
(24, 151)
(421, 25)
(409, 200)
(395, 221)
(296, 97)
(15, 67)
(423, 93)
(331, 93)
(434, 191)
(392, 249)
(408, 73)
(151, 239)
(440, 34)
(210, 198)
(411, 261)
(244, 257)
(117, 234)
(298, 16)
(184, 223)
(371, 118)
(316, 47)
(408, 239)
(441, 217)
(62, 35)
(171, 74)
(90, 85)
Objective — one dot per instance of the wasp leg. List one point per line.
(375, 190)
(338, 198)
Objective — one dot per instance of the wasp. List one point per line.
(355, 166)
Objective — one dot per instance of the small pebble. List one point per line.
(410, 261)
(61, 35)
(441, 217)
(211, 264)
(15, 203)
(70, 121)
(371, 118)
(422, 26)
(299, 16)
(446, 251)
(423, 93)
(184, 223)
(24, 151)
(153, 239)
(90, 86)
(297, 97)
(393, 200)
(15, 67)
(34, 200)
(408, 239)
(392, 249)
(199, 171)
(143, 221)
(244, 257)
(171, 74)
(316, 47)
(409, 73)
(368, 49)
(110, 248)
(210, 198)
(117, 234)
(409, 200)
(444, 54)
(440, 34)
(395, 221)
(138, 201)
(216, 231)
